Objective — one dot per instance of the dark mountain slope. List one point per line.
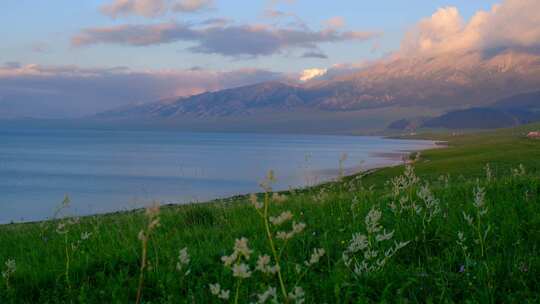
(511, 111)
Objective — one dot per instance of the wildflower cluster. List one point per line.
(217, 291)
(264, 265)
(430, 206)
(368, 253)
(9, 270)
(317, 254)
(241, 252)
(267, 264)
(414, 198)
(403, 189)
(183, 261)
(269, 295)
(237, 262)
(287, 235)
(475, 221)
(404, 182)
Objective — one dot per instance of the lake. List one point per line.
(105, 171)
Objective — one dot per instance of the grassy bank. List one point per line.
(461, 223)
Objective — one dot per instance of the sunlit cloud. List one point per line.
(513, 24)
(309, 74)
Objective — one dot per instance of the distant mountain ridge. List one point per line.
(451, 81)
(511, 111)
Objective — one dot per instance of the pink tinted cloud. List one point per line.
(225, 39)
(153, 8)
(512, 24)
(73, 91)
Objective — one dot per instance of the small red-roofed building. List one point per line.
(534, 134)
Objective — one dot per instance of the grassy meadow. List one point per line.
(459, 224)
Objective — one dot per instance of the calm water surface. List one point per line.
(104, 171)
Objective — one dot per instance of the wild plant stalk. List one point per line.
(68, 260)
(63, 228)
(266, 185)
(481, 210)
(152, 214)
(270, 238)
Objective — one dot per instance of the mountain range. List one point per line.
(429, 85)
(512, 111)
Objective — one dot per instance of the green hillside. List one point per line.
(459, 224)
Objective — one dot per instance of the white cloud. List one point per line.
(513, 24)
(153, 8)
(309, 74)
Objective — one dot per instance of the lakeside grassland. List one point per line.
(460, 224)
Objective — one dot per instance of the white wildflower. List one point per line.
(462, 243)
(10, 268)
(358, 242)
(183, 259)
(216, 290)
(431, 204)
(372, 221)
(241, 246)
(255, 201)
(297, 295)
(296, 229)
(240, 250)
(317, 254)
(384, 236)
(282, 218)
(479, 197)
(228, 260)
(85, 235)
(224, 294)
(241, 271)
(468, 219)
(263, 265)
(270, 293)
(368, 252)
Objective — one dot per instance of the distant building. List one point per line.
(534, 134)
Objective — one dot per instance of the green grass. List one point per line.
(504, 267)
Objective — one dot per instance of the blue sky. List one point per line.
(39, 32)
(72, 58)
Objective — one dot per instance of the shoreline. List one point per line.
(393, 159)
